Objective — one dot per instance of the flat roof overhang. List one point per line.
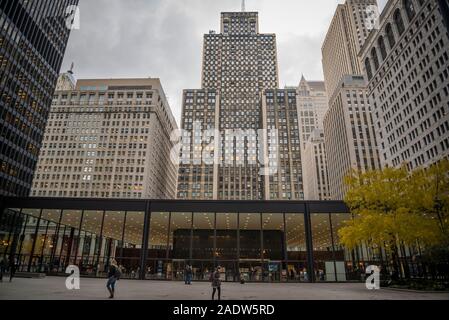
(227, 206)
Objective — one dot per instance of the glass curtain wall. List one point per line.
(330, 258)
(270, 247)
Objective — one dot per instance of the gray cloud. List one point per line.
(163, 38)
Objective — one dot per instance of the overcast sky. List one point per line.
(163, 39)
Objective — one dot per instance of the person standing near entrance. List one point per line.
(113, 275)
(188, 274)
(216, 283)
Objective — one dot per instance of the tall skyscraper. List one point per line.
(348, 128)
(406, 61)
(239, 63)
(33, 38)
(349, 134)
(313, 104)
(345, 37)
(108, 139)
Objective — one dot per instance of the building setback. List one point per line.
(407, 64)
(33, 39)
(349, 137)
(108, 139)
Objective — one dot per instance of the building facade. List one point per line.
(108, 139)
(33, 39)
(349, 138)
(239, 63)
(314, 166)
(280, 117)
(349, 134)
(313, 104)
(407, 64)
(346, 35)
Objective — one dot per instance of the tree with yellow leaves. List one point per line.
(392, 207)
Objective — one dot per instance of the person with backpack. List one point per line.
(216, 283)
(113, 275)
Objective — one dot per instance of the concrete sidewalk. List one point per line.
(53, 288)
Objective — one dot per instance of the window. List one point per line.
(383, 50)
(390, 36)
(369, 72)
(399, 22)
(409, 9)
(374, 57)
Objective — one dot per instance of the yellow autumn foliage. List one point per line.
(393, 205)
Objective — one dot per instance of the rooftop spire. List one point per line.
(243, 6)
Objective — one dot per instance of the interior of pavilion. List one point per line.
(249, 246)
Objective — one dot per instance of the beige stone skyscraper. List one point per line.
(407, 64)
(346, 35)
(108, 139)
(313, 104)
(348, 126)
(239, 63)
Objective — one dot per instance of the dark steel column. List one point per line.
(334, 257)
(145, 240)
(215, 240)
(309, 243)
(34, 242)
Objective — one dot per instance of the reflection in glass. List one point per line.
(180, 226)
(226, 241)
(250, 229)
(158, 242)
(322, 248)
(203, 236)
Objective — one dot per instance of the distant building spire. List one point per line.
(243, 6)
(71, 68)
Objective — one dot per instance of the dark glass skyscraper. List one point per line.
(33, 39)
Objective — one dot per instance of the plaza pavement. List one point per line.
(53, 288)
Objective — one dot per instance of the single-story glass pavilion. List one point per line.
(266, 241)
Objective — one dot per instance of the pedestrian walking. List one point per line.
(216, 283)
(113, 275)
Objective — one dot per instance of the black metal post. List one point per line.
(34, 242)
(145, 240)
(309, 243)
(333, 248)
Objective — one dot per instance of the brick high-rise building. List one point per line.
(239, 63)
(33, 39)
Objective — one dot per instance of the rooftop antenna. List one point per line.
(243, 6)
(71, 68)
